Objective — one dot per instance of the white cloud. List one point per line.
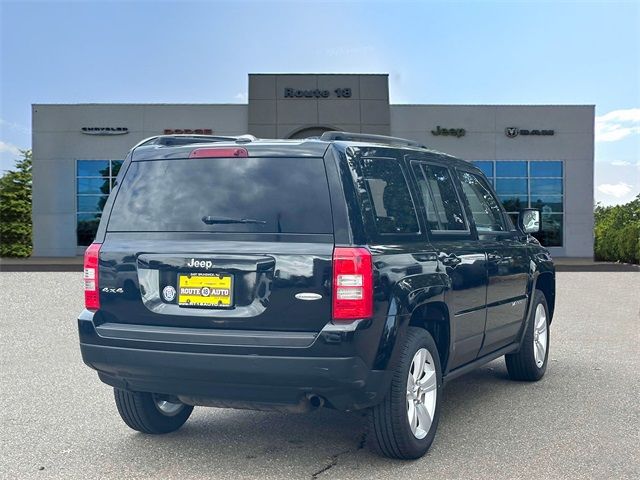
(8, 148)
(617, 190)
(242, 97)
(618, 124)
(14, 126)
(621, 163)
(8, 155)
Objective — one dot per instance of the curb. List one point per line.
(34, 267)
(607, 267)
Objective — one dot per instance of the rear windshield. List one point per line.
(266, 195)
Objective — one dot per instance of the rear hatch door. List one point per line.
(229, 243)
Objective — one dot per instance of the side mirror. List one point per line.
(529, 220)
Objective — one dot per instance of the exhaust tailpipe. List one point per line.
(315, 401)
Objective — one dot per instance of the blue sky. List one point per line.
(435, 52)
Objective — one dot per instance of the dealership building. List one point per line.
(540, 156)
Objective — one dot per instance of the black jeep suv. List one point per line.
(350, 271)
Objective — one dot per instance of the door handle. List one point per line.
(451, 260)
(494, 257)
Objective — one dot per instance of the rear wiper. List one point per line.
(211, 220)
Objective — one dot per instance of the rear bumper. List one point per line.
(224, 377)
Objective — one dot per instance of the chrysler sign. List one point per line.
(104, 130)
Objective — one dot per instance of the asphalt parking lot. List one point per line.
(581, 421)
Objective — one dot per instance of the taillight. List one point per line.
(352, 283)
(218, 152)
(91, 293)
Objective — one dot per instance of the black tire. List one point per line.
(389, 430)
(140, 412)
(522, 365)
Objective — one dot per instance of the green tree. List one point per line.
(617, 232)
(15, 209)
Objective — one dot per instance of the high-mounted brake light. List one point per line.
(91, 293)
(218, 152)
(352, 283)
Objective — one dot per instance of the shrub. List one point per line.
(617, 232)
(15, 209)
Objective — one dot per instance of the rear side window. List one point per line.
(261, 195)
(444, 213)
(388, 191)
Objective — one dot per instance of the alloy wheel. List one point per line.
(540, 335)
(422, 391)
(167, 408)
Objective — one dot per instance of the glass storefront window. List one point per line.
(551, 231)
(535, 184)
(92, 186)
(545, 169)
(115, 167)
(547, 203)
(86, 227)
(511, 169)
(511, 185)
(94, 181)
(514, 203)
(546, 186)
(92, 168)
(486, 167)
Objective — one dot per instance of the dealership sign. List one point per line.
(513, 132)
(317, 93)
(104, 130)
(451, 132)
(188, 131)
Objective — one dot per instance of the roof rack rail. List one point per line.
(368, 137)
(187, 139)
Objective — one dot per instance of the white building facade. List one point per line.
(540, 156)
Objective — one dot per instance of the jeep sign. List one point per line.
(452, 132)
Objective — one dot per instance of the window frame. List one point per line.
(510, 228)
(369, 219)
(440, 234)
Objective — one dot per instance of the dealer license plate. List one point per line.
(205, 290)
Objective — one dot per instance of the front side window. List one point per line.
(485, 210)
(444, 212)
(388, 191)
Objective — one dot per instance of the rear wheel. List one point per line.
(530, 362)
(404, 424)
(149, 412)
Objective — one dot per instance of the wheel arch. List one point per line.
(434, 318)
(546, 283)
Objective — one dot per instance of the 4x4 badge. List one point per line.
(113, 290)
